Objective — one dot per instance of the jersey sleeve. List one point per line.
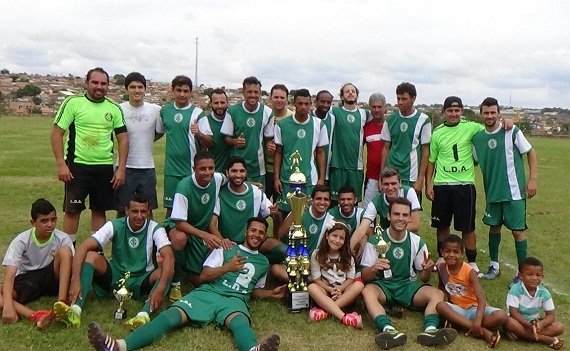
(66, 114)
(179, 207)
(204, 126)
(158, 127)
(118, 118)
(547, 302)
(385, 133)
(425, 136)
(512, 298)
(105, 234)
(420, 256)
(351, 273)
(369, 256)
(323, 136)
(215, 259)
(413, 198)
(315, 267)
(261, 282)
(269, 129)
(14, 253)
(264, 204)
(217, 207)
(370, 212)
(160, 238)
(228, 125)
(277, 135)
(522, 143)
(434, 147)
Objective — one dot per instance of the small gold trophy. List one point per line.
(382, 248)
(122, 294)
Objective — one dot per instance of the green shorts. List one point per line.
(401, 293)
(194, 254)
(283, 204)
(341, 177)
(104, 285)
(170, 183)
(510, 213)
(204, 307)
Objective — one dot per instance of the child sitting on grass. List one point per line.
(38, 263)
(332, 272)
(466, 307)
(526, 299)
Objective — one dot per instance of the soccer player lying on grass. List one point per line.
(229, 277)
(135, 240)
(467, 307)
(38, 263)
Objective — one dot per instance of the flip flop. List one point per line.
(495, 340)
(556, 344)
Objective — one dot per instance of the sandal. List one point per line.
(556, 344)
(495, 340)
(511, 336)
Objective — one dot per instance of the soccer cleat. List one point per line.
(516, 279)
(444, 336)
(492, 273)
(67, 314)
(137, 321)
(42, 318)
(270, 343)
(475, 267)
(316, 314)
(175, 293)
(390, 338)
(100, 340)
(353, 320)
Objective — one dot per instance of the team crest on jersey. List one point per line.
(313, 229)
(403, 126)
(133, 242)
(178, 118)
(350, 118)
(205, 199)
(250, 122)
(108, 117)
(398, 253)
(240, 205)
(301, 134)
(492, 143)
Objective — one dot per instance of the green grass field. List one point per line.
(27, 171)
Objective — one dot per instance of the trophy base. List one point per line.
(120, 314)
(385, 274)
(297, 301)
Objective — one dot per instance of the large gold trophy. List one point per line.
(382, 248)
(122, 294)
(297, 260)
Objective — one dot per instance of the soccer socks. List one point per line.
(521, 249)
(494, 242)
(244, 336)
(431, 321)
(382, 321)
(471, 255)
(154, 330)
(439, 248)
(179, 259)
(87, 271)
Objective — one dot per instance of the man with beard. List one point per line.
(323, 103)
(230, 277)
(220, 150)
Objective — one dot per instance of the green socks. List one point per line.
(87, 271)
(521, 249)
(431, 320)
(494, 242)
(382, 321)
(244, 336)
(155, 329)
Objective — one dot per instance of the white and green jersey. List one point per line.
(255, 126)
(181, 144)
(28, 254)
(352, 221)
(132, 251)
(237, 284)
(451, 151)
(220, 149)
(303, 137)
(234, 209)
(348, 135)
(406, 135)
(380, 205)
(328, 121)
(499, 154)
(406, 256)
(315, 228)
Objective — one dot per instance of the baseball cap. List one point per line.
(452, 101)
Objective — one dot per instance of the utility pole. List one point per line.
(196, 67)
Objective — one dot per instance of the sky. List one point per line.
(515, 51)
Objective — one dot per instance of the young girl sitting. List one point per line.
(332, 272)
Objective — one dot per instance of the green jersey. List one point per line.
(406, 135)
(380, 206)
(255, 126)
(352, 221)
(234, 209)
(328, 121)
(220, 149)
(315, 228)
(348, 134)
(406, 256)
(181, 144)
(237, 284)
(90, 126)
(305, 137)
(499, 154)
(451, 151)
(132, 251)
(270, 156)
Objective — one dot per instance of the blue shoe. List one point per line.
(492, 273)
(516, 279)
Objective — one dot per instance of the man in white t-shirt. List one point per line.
(143, 123)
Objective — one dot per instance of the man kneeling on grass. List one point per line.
(229, 278)
(135, 240)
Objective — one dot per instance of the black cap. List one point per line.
(452, 101)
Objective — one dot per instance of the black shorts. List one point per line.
(32, 285)
(457, 201)
(137, 181)
(92, 180)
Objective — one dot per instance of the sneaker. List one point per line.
(316, 314)
(475, 267)
(390, 338)
(42, 318)
(352, 319)
(175, 293)
(100, 340)
(440, 337)
(270, 343)
(137, 321)
(516, 279)
(492, 273)
(68, 315)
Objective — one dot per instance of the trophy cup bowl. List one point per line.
(122, 294)
(381, 248)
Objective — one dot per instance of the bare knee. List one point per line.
(92, 257)
(178, 239)
(64, 253)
